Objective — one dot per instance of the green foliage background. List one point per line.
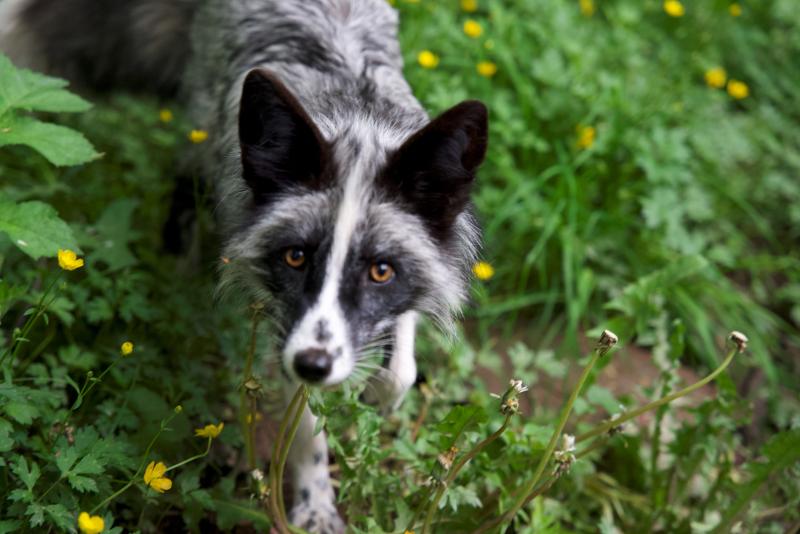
(679, 223)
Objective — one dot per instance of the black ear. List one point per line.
(281, 147)
(434, 169)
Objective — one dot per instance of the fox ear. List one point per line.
(281, 146)
(434, 169)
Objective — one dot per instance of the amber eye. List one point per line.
(295, 257)
(381, 272)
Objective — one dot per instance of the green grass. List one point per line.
(678, 224)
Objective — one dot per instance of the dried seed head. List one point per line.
(607, 340)
(257, 474)
(739, 339)
(509, 406)
(518, 386)
(446, 458)
(564, 457)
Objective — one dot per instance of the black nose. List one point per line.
(313, 364)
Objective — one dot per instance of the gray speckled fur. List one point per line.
(341, 60)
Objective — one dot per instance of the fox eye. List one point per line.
(295, 257)
(381, 272)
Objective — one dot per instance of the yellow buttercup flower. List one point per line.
(209, 431)
(674, 8)
(428, 59)
(473, 28)
(738, 90)
(483, 270)
(126, 348)
(586, 136)
(198, 136)
(68, 260)
(165, 115)
(735, 10)
(90, 524)
(716, 77)
(154, 477)
(470, 6)
(587, 7)
(486, 68)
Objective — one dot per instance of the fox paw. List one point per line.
(317, 519)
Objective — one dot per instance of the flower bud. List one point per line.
(739, 339)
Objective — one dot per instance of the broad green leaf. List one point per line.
(8, 526)
(59, 144)
(30, 91)
(35, 228)
(21, 412)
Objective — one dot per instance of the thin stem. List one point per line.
(245, 408)
(285, 451)
(135, 476)
(40, 309)
(275, 481)
(193, 458)
(451, 475)
(551, 446)
(608, 425)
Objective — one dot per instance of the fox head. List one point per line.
(352, 221)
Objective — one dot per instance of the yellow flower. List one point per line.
(472, 28)
(198, 136)
(735, 10)
(428, 59)
(470, 6)
(587, 7)
(165, 115)
(90, 524)
(126, 348)
(486, 68)
(674, 8)
(483, 270)
(738, 90)
(716, 77)
(209, 431)
(68, 260)
(586, 135)
(154, 477)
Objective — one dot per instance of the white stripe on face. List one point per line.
(327, 313)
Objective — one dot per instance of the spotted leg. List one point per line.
(314, 506)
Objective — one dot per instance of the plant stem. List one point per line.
(192, 458)
(135, 476)
(451, 475)
(598, 352)
(245, 408)
(277, 509)
(608, 425)
(40, 309)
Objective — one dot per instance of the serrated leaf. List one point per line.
(60, 516)
(21, 412)
(28, 475)
(59, 144)
(35, 228)
(66, 459)
(36, 513)
(31, 91)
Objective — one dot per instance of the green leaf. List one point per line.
(35, 228)
(458, 420)
(28, 475)
(115, 232)
(21, 412)
(780, 452)
(27, 90)
(8, 526)
(59, 144)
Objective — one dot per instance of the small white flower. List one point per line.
(518, 386)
